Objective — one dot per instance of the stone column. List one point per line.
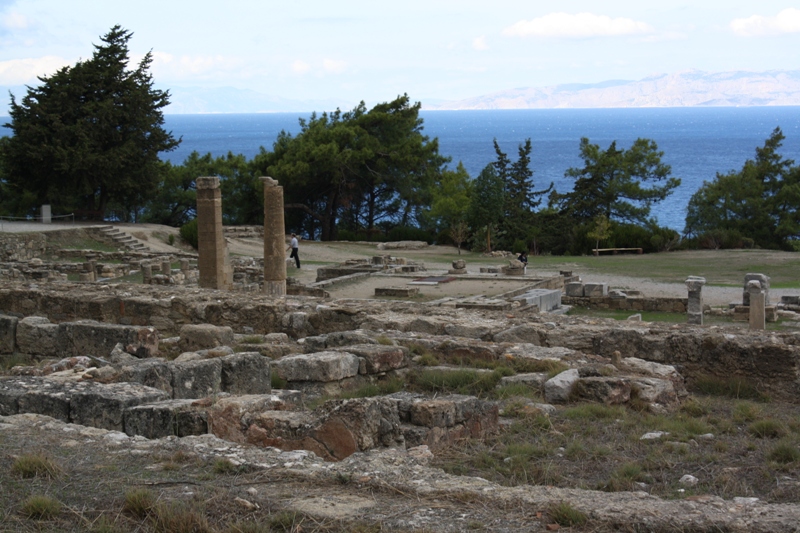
(761, 278)
(694, 309)
(184, 265)
(274, 239)
(166, 267)
(215, 272)
(758, 300)
(147, 274)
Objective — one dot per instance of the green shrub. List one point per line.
(384, 340)
(41, 507)
(460, 381)
(734, 387)
(407, 233)
(35, 465)
(139, 502)
(766, 429)
(784, 453)
(564, 514)
(276, 381)
(171, 239)
(177, 517)
(189, 233)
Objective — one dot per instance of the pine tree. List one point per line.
(89, 136)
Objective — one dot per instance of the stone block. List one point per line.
(654, 390)
(246, 373)
(607, 390)
(398, 292)
(203, 336)
(545, 299)
(103, 405)
(346, 338)
(468, 331)
(35, 395)
(88, 337)
(180, 418)
(320, 366)
(196, 379)
(8, 333)
(230, 418)
(763, 281)
(154, 373)
(37, 336)
(574, 289)
(558, 388)
(380, 358)
(533, 380)
(523, 333)
(595, 290)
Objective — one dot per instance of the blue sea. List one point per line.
(697, 142)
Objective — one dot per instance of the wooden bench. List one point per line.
(614, 251)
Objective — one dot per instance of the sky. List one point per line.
(374, 50)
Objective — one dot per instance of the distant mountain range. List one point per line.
(683, 89)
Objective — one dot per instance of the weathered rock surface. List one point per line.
(321, 366)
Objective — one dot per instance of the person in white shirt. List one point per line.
(293, 247)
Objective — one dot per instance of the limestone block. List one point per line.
(320, 366)
(558, 388)
(574, 289)
(595, 290)
(607, 390)
(346, 338)
(44, 397)
(88, 337)
(154, 373)
(156, 420)
(231, 417)
(8, 333)
(654, 390)
(10, 391)
(360, 424)
(281, 429)
(516, 334)
(316, 343)
(763, 280)
(469, 331)
(202, 336)
(545, 299)
(433, 413)
(103, 405)
(533, 380)
(380, 358)
(459, 264)
(246, 373)
(37, 336)
(196, 379)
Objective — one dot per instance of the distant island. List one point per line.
(683, 89)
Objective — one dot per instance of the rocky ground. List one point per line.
(205, 484)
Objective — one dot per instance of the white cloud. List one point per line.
(165, 64)
(25, 71)
(581, 25)
(334, 66)
(787, 21)
(479, 43)
(300, 67)
(14, 20)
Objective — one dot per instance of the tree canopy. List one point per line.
(612, 183)
(89, 136)
(357, 168)
(759, 202)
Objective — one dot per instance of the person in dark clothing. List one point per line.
(293, 248)
(523, 258)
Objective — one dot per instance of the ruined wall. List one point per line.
(21, 246)
(663, 305)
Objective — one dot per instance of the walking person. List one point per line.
(293, 247)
